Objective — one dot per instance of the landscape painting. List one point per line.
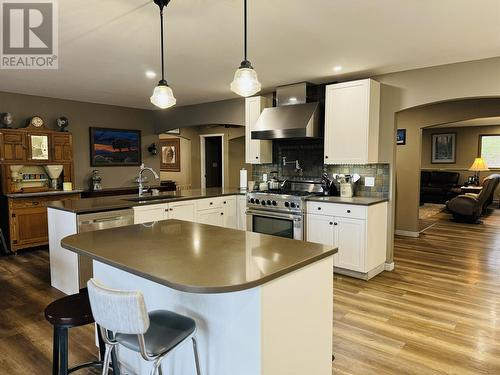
(114, 147)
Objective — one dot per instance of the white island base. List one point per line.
(283, 327)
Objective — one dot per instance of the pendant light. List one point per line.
(162, 97)
(245, 81)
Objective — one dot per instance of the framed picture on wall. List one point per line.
(170, 152)
(114, 147)
(401, 137)
(444, 148)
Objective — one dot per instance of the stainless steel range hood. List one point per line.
(296, 116)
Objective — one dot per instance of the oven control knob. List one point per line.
(292, 205)
(287, 204)
(263, 203)
(274, 203)
(252, 200)
(268, 202)
(257, 201)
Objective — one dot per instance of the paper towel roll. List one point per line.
(243, 178)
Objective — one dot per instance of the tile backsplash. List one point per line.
(309, 153)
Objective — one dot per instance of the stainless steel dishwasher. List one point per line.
(99, 221)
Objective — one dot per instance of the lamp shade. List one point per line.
(245, 82)
(479, 165)
(163, 97)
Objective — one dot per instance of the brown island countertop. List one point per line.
(88, 205)
(197, 258)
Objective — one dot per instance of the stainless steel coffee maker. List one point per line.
(95, 181)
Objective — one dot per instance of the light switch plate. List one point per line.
(370, 181)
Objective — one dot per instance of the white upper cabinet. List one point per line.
(256, 152)
(352, 112)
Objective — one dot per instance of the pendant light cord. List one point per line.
(162, 49)
(245, 17)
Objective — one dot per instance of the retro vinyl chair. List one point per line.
(154, 335)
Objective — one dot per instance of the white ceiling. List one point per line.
(483, 121)
(107, 45)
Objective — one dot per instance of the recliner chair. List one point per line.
(469, 207)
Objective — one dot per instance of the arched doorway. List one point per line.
(408, 156)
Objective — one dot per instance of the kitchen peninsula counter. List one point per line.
(262, 304)
(88, 205)
(189, 256)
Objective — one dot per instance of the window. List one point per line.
(490, 150)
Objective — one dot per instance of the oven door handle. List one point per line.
(274, 215)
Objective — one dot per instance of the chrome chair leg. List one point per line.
(107, 358)
(196, 358)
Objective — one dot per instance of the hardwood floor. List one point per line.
(25, 335)
(438, 312)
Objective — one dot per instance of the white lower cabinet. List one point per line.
(150, 212)
(242, 212)
(350, 235)
(213, 216)
(359, 233)
(221, 211)
(230, 212)
(184, 210)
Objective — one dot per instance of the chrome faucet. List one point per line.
(142, 189)
(296, 162)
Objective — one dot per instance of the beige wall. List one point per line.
(82, 116)
(234, 155)
(467, 147)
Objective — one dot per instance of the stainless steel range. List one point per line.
(281, 212)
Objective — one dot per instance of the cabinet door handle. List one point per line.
(348, 211)
(35, 203)
(222, 213)
(256, 157)
(171, 209)
(224, 202)
(335, 224)
(326, 156)
(331, 222)
(319, 208)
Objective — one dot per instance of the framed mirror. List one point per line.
(39, 147)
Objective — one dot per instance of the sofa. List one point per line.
(469, 207)
(438, 186)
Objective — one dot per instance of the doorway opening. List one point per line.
(212, 160)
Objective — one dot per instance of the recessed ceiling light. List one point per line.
(150, 74)
(337, 68)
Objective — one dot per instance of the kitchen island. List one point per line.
(263, 304)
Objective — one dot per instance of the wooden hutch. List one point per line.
(25, 184)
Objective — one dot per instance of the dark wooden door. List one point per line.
(213, 161)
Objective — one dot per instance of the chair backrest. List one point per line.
(117, 310)
(489, 184)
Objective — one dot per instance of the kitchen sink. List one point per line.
(153, 198)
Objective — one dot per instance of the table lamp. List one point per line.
(479, 165)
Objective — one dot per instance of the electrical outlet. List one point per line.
(370, 181)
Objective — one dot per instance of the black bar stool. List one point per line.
(65, 313)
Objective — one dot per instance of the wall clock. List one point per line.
(36, 121)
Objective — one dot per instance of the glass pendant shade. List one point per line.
(245, 82)
(163, 97)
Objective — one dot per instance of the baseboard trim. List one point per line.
(389, 266)
(407, 233)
